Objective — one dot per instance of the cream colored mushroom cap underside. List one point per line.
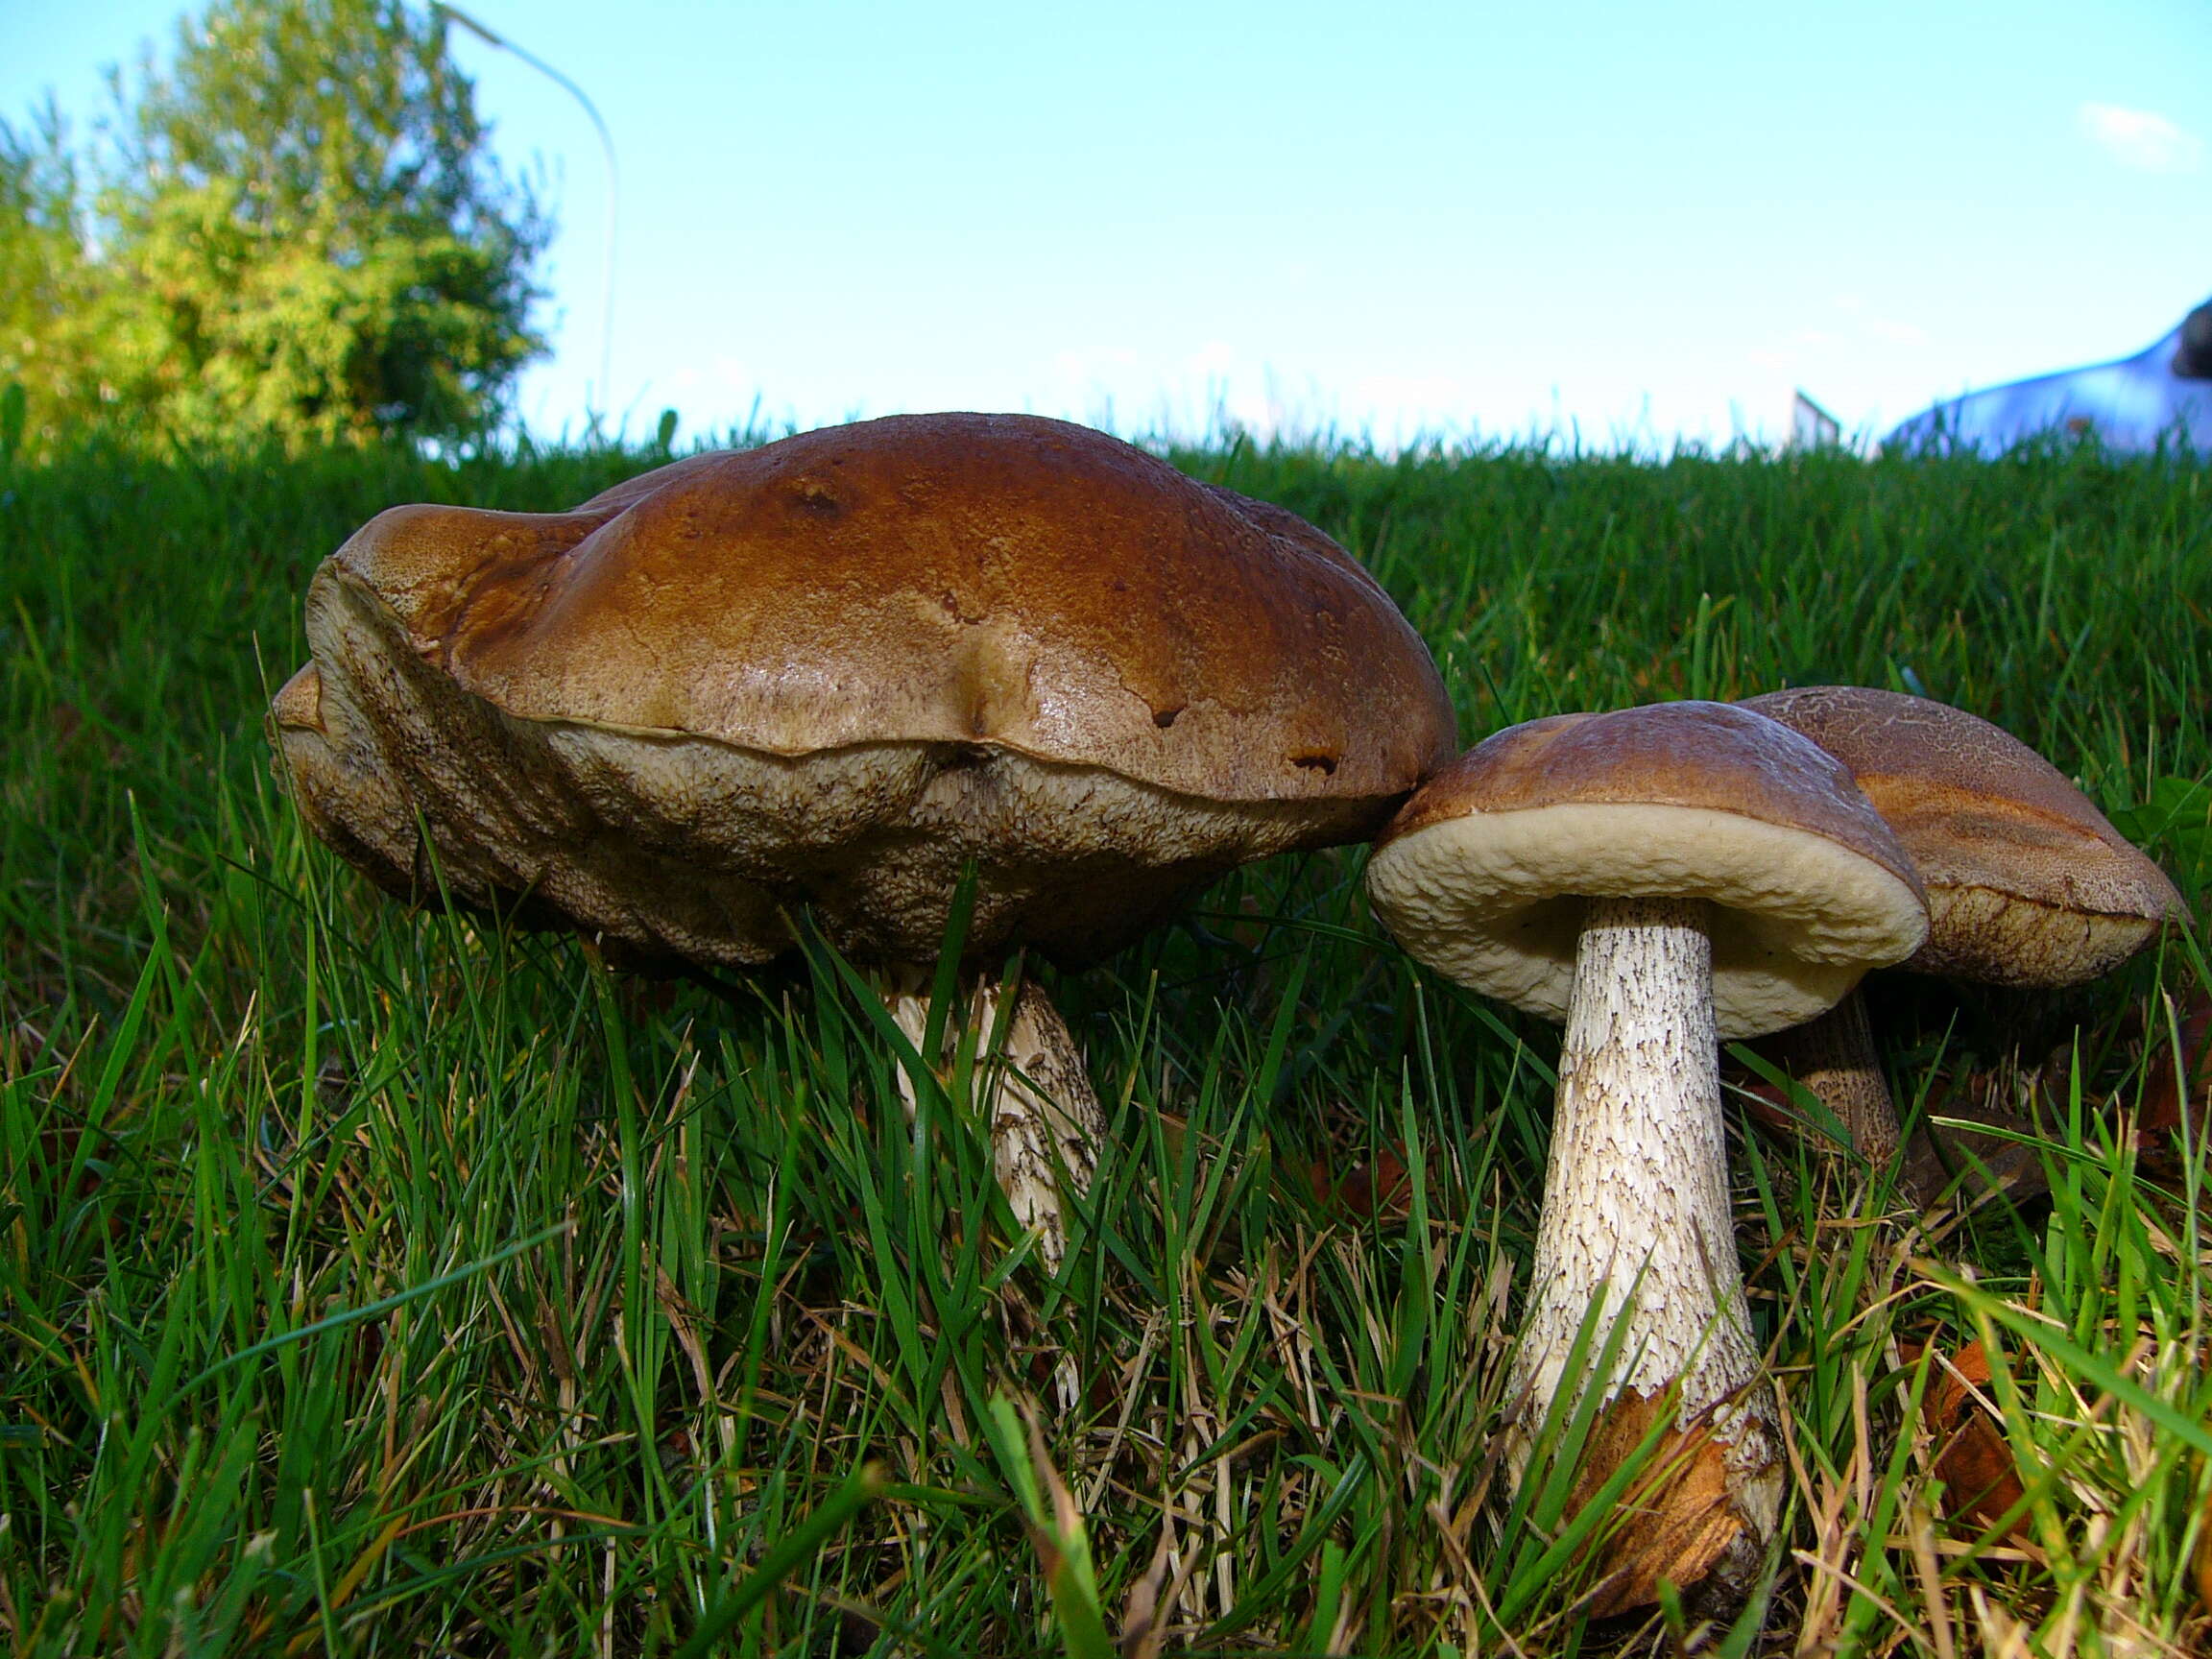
(1494, 901)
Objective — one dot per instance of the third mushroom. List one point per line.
(2029, 886)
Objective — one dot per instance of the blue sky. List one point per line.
(1634, 223)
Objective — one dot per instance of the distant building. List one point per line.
(1811, 426)
(2164, 392)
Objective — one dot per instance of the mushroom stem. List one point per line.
(1636, 1218)
(1031, 1089)
(1834, 1057)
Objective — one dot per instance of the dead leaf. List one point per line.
(1981, 1481)
(1378, 1191)
(2006, 1100)
(1680, 1519)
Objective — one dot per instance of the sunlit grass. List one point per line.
(378, 1281)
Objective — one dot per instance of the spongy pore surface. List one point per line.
(842, 669)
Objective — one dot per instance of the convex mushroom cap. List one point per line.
(841, 669)
(1483, 874)
(2027, 883)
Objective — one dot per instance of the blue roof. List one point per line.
(2131, 405)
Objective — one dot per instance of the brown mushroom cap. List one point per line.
(2027, 883)
(839, 669)
(1484, 872)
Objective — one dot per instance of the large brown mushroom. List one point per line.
(2029, 886)
(1657, 879)
(841, 671)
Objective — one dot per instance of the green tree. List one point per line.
(46, 281)
(303, 231)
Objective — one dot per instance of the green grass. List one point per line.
(383, 1283)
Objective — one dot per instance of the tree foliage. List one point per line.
(44, 278)
(298, 230)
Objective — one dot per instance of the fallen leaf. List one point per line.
(1981, 1481)
(1680, 1520)
(1377, 1190)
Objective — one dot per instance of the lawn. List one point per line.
(376, 1282)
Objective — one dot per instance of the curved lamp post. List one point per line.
(606, 142)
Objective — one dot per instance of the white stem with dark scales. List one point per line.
(1636, 1213)
(1032, 1090)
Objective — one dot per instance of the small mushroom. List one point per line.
(842, 671)
(2029, 886)
(1658, 877)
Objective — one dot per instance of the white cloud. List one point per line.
(2142, 139)
(1214, 358)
